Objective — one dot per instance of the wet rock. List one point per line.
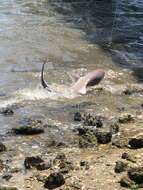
(27, 130)
(136, 143)
(87, 138)
(125, 118)
(103, 137)
(31, 162)
(2, 147)
(128, 157)
(7, 188)
(120, 166)
(54, 180)
(77, 116)
(136, 174)
(126, 182)
(6, 111)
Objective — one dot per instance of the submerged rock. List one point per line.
(6, 111)
(120, 166)
(2, 147)
(136, 143)
(54, 180)
(136, 174)
(31, 162)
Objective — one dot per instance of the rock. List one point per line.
(120, 166)
(43, 166)
(6, 111)
(128, 157)
(136, 143)
(7, 176)
(2, 147)
(32, 162)
(84, 164)
(7, 188)
(64, 165)
(136, 174)
(114, 126)
(120, 141)
(54, 180)
(103, 137)
(41, 178)
(27, 130)
(90, 120)
(126, 182)
(77, 116)
(87, 138)
(125, 118)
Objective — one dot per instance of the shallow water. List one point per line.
(31, 31)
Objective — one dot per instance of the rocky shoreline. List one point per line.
(96, 152)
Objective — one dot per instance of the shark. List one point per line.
(80, 86)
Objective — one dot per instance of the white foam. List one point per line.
(32, 94)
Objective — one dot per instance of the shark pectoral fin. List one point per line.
(82, 90)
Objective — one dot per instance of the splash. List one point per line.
(24, 96)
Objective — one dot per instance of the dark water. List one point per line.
(117, 26)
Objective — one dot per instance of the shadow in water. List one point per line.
(116, 26)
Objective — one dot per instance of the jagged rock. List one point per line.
(54, 180)
(87, 138)
(27, 130)
(136, 143)
(32, 162)
(136, 174)
(2, 147)
(120, 166)
(128, 157)
(6, 111)
(126, 182)
(103, 137)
